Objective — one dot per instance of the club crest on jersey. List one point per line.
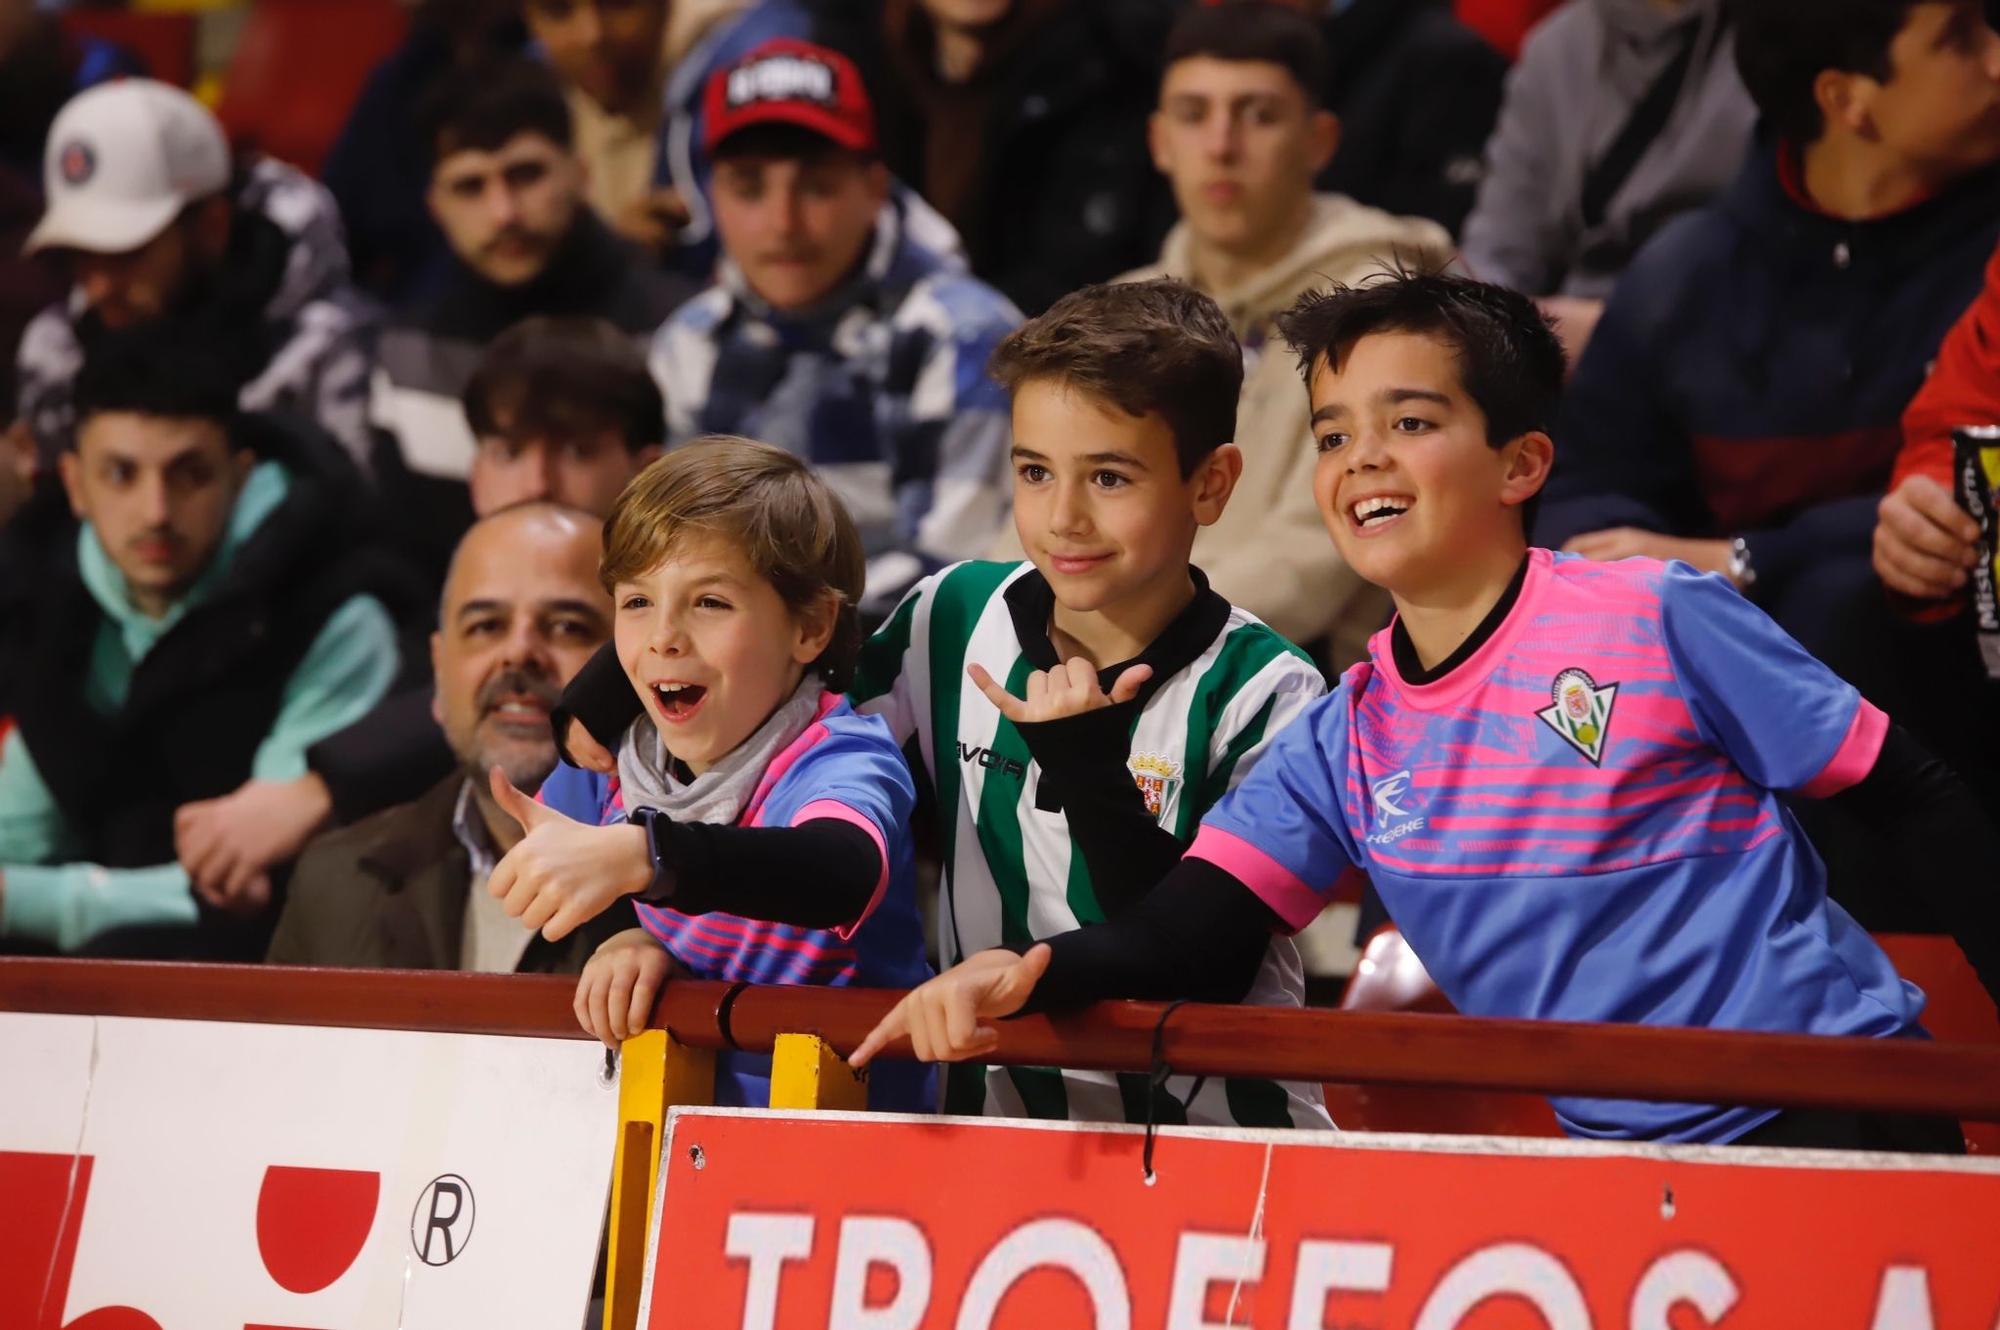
(1580, 712)
(1158, 779)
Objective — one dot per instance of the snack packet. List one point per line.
(1976, 450)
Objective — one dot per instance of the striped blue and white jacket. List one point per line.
(882, 387)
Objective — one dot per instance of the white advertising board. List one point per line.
(188, 1175)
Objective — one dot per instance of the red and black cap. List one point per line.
(790, 82)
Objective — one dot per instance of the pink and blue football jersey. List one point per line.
(1581, 822)
(843, 766)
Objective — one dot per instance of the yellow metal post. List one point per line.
(806, 1073)
(655, 1072)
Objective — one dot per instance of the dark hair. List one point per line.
(780, 513)
(785, 142)
(564, 378)
(483, 106)
(1158, 347)
(1783, 45)
(1510, 360)
(161, 368)
(1262, 30)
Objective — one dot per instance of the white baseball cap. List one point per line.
(122, 160)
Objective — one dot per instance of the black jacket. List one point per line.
(204, 697)
(1067, 193)
(1417, 93)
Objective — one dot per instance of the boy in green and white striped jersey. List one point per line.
(1076, 714)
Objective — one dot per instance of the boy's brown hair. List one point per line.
(789, 525)
(1158, 347)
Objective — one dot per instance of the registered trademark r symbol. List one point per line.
(441, 1224)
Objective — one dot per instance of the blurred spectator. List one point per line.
(507, 189)
(1240, 134)
(684, 168)
(211, 625)
(1748, 377)
(834, 334)
(565, 412)
(151, 220)
(41, 67)
(608, 54)
(379, 167)
(1622, 115)
(522, 611)
(1739, 404)
(1023, 122)
(1505, 23)
(1925, 544)
(1403, 146)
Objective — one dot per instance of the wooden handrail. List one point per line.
(1458, 1052)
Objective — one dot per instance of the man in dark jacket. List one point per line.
(1738, 406)
(208, 623)
(1407, 145)
(1024, 123)
(508, 191)
(522, 611)
(565, 412)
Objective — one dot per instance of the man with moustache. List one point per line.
(405, 889)
(565, 412)
(508, 191)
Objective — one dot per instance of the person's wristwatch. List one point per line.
(657, 826)
(1741, 570)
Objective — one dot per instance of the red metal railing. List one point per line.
(1634, 1062)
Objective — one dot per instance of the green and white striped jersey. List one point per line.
(1224, 684)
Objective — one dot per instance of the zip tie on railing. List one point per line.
(1156, 1081)
(722, 1010)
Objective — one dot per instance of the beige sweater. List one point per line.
(1270, 553)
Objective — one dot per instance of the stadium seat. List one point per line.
(1958, 1009)
(291, 107)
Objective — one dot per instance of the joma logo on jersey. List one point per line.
(990, 760)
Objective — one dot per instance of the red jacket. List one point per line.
(1963, 388)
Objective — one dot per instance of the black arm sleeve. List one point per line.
(388, 757)
(1934, 824)
(819, 874)
(1083, 765)
(1200, 934)
(602, 698)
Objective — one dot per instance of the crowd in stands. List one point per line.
(339, 516)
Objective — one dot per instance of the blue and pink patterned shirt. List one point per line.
(1581, 821)
(844, 766)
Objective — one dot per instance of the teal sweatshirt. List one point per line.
(44, 894)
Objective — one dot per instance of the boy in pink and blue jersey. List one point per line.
(762, 825)
(1562, 777)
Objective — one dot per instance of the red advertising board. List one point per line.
(768, 1221)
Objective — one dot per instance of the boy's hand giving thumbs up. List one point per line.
(564, 873)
